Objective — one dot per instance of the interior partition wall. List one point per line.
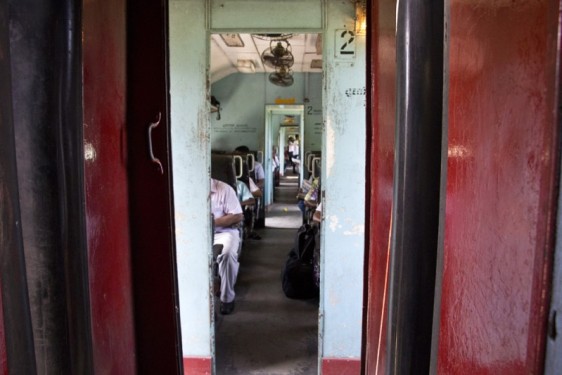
(191, 23)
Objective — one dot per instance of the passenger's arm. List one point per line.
(256, 191)
(229, 220)
(310, 204)
(260, 183)
(317, 217)
(248, 202)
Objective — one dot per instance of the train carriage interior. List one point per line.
(277, 187)
(268, 100)
(261, 86)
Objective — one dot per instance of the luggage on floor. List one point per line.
(298, 273)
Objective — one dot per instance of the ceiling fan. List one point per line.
(282, 77)
(278, 54)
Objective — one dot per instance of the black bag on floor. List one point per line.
(298, 274)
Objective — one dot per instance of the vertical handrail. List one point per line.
(416, 195)
(250, 160)
(150, 150)
(237, 160)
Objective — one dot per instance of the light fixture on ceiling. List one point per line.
(232, 40)
(316, 64)
(246, 66)
(318, 44)
(361, 17)
(289, 120)
(274, 37)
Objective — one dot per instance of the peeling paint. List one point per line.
(356, 230)
(333, 222)
(330, 146)
(89, 152)
(203, 134)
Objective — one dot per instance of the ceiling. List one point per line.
(243, 53)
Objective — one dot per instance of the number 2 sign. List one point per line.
(345, 43)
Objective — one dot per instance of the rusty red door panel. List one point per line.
(3, 354)
(502, 159)
(104, 59)
(380, 145)
(157, 324)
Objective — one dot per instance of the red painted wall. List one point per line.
(3, 354)
(382, 65)
(502, 158)
(104, 57)
(340, 366)
(197, 366)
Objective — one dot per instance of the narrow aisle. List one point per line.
(268, 333)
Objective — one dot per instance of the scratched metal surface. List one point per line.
(501, 162)
(382, 101)
(106, 188)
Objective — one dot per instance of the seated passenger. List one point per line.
(303, 190)
(308, 197)
(245, 196)
(227, 213)
(254, 189)
(249, 217)
(247, 202)
(317, 217)
(258, 167)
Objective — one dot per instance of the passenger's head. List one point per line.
(291, 139)
(242, 150)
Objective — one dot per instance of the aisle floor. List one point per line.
(268, 333)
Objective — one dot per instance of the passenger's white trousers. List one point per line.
(228, 263)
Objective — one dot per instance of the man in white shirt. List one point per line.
(290, 151)
(227, 213)
(259, 175)
(259, 172)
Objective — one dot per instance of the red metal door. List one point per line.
(380, 142)
(107, 205)
(129, 221)
(502, 160)
(152, 233)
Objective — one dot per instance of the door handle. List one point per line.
(150, 127)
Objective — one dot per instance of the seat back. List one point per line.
(309, 165)
(316, 167)
(223, 169)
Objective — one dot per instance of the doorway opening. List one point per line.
(336, 117)
(263, 107)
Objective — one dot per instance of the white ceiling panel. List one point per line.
(246, 49)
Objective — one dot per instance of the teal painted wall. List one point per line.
(243, 98)
(337, 106)
(190, 158)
